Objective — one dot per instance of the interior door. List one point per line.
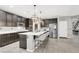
(63, 29)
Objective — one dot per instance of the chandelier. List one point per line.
(36, 20)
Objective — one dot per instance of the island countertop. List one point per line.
(33, 39)
(34, 33)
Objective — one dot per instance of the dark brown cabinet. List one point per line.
(14, 23)
(6, 39)
(27, 23)
(30, 24)
(23, 20)
(2, 18)
(9, 19)
(19, 19)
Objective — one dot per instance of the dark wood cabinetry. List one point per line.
(9, 19)
(14, 23)
(6, 39)
(2, 18)
(27, 23)
(30, 24)
(23, 20)
(19, 19)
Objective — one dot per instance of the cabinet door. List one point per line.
(19, 22)
(9, 19)
(14, 20)
(23, 19)
(2, 18)
(19, 19)
(27, 22)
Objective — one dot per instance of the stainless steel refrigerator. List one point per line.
(52, 30)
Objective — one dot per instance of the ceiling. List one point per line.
(47, 11)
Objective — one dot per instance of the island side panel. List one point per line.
(23, 41)
(30, 43)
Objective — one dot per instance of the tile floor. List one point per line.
(49, 46)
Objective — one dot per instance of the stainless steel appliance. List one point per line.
(52, 30)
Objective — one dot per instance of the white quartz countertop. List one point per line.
(12, 31)
(34, 33)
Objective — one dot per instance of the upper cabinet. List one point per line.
(9, 19)
(15, 18)
(23, 19)
(27, 23)
(19, 19)
(2, 18)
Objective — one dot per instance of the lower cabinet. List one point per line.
(6, 39)
(23, 41)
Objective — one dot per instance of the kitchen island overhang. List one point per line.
(33, 39)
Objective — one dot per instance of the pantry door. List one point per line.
(63, 29)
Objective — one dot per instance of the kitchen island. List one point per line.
(32, 40)
(9, 35)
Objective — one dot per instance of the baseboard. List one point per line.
(30, 50)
